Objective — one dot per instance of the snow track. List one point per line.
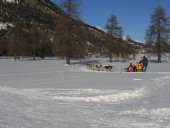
(77, 95)
(92, 95)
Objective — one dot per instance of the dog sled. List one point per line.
(136, 67)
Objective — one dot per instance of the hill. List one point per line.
(41, 28)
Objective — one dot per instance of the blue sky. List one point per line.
(133, 15)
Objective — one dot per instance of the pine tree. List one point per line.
(114, 34)
(158, 33)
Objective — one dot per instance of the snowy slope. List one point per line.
(50, 94)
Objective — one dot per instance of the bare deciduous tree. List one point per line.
(17, 35)
(68, 36)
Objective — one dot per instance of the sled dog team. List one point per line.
(99, 67)
(136, 67)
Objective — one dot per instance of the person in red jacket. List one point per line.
(130, 68)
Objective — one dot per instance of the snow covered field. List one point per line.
(49, 94)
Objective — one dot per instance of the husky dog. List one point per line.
(94, 67)
(108, 68)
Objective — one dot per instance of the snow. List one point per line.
(1, 26)
(4, 25)
(10, 0)
(49, 94)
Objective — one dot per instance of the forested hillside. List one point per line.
(39, 28)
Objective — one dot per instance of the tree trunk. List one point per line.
(159, 48)
(43, 53)
(159, 55)
(33, 56)
(110, 57)
(16, 51)
(67, 58)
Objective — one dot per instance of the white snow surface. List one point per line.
(49, 94)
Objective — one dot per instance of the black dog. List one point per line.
(108, 67)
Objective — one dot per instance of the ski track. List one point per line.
(77, 95)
